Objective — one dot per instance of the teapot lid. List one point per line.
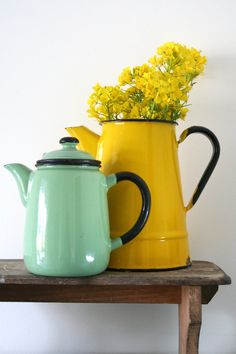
(68, 155)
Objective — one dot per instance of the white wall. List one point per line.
(51, 53)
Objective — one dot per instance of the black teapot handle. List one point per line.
(145, 209)
(211, 165)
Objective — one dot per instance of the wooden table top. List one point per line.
(189, 288)
(200, 273)
(17, 284)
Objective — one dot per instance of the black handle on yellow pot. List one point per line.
(211, 165)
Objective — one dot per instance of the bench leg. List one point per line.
(190, 313)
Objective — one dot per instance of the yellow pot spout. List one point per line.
(88, 140)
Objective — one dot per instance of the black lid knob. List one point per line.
(69, 139)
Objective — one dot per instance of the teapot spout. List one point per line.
(88, 139)
(21, 174)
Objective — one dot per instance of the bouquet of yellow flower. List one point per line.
(158, 89)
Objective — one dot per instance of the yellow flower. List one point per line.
(125, 77)
(135, 112)
(183, 113)
(157, 89)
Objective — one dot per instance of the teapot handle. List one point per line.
(211, 165)
(145, 209)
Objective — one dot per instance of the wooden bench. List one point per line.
(189, 288)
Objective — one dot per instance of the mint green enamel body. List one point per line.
(67, 229)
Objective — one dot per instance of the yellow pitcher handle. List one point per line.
(211, 165)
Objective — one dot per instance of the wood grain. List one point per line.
(190, 319)
(91, 294)
(189, 287)
(200, 273)
(17, 284)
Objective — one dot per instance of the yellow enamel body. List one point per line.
(149, 149)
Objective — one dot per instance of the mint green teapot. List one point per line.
(67, 219)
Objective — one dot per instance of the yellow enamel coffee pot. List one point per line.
(148, 148)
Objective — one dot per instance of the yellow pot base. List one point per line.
(151, 270)
(157, 254)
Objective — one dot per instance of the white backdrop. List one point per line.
(51, 53)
